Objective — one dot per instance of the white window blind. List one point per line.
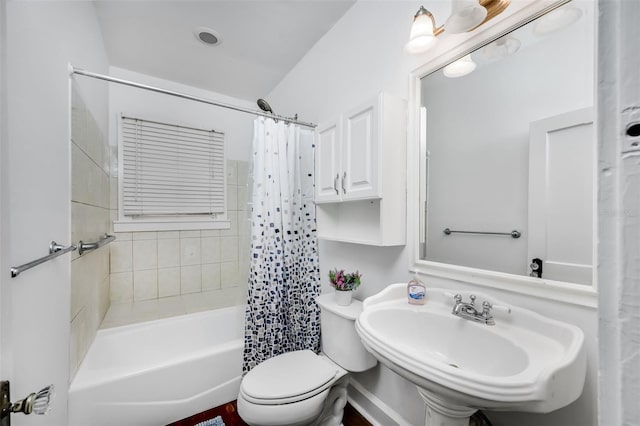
(171, 170)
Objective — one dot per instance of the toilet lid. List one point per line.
(287, 375)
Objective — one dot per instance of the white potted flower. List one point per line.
(344, 284)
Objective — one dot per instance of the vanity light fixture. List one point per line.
(501, 48)
(467, 15)
(462, 66)
(556, 20)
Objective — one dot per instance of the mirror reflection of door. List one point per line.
(561, 164)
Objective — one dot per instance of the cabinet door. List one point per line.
(359, 179)
(327, 160)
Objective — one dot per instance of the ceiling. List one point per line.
(261, 40)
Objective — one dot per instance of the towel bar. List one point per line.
(515, 233)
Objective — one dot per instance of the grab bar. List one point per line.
(55, 250)
(105, 239)
(515, 233)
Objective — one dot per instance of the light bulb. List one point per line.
(462, 66)
(501, 48)
(421, 37)
(465, 15)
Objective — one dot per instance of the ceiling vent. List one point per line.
(207, 36)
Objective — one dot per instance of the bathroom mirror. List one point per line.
(507, 154)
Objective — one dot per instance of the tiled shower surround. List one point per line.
(206, 265)
(89, 219)
(143, 275)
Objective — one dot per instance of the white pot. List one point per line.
(343, 297)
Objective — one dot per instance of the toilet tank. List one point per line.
(339, 338)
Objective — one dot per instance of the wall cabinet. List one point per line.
(347, 156)
(360, 165)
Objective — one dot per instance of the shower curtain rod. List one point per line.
(79, 71)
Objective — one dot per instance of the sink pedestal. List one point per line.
(444, 413)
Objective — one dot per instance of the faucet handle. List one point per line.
(487, 307)
(502, 308)
(473, 299)
(457, 298)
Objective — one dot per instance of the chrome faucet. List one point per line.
(468, 310)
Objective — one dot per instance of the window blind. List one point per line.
(171, 170)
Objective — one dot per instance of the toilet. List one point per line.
(301, 387)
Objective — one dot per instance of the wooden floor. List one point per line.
(229, 413)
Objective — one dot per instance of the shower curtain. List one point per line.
(284, 280)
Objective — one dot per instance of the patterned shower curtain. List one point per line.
(281, 314)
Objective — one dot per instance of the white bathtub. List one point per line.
(157, 372)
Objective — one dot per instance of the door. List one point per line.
(327, 159)
(34, 201)
(360, 152)
(561, 196)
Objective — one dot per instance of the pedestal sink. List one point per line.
(525, 362)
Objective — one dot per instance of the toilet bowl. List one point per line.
(301, 387)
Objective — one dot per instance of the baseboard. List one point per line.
(371, 407)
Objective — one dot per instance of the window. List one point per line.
(171, 177)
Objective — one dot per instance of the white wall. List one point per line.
(363, 54)
(42, 38)
(619, 209)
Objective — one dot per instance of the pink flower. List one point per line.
(344, 281)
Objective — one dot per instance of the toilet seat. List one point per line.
(288, 378)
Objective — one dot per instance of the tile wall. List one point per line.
(146, 266)
(90, 199)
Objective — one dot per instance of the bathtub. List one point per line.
(157, 372)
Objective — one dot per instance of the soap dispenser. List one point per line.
(416, 291)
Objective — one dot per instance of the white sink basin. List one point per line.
(525, 362)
